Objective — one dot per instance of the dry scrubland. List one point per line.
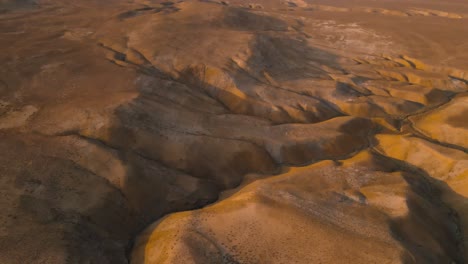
(269, 131)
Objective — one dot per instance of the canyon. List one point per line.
(262, 131)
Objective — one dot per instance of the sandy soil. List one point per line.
(263, 131)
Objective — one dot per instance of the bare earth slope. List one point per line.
(263, 131)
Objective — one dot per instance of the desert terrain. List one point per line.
(260, 131)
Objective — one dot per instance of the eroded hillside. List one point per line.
(234, 131)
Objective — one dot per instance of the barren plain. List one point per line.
(261, 131)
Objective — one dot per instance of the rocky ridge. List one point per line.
(262, 132)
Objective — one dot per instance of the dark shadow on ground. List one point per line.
(431, 232)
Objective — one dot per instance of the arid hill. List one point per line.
(262, 131)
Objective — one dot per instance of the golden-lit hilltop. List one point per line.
(263, 131)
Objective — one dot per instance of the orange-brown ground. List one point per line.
(263, 131)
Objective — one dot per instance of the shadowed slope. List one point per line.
(115, 113)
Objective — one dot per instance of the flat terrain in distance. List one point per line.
(262, 131)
